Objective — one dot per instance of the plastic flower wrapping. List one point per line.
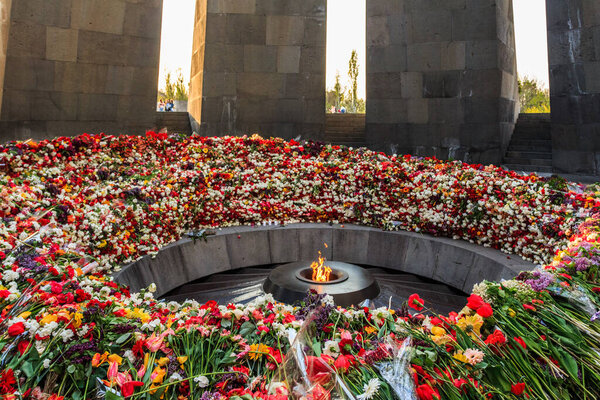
(72, 210)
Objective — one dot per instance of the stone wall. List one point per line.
(441, 78)
(75, 66)
(574, 53)
(263, 67)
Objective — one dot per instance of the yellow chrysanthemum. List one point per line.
(257, 350)
(471, 324)
(438, 331)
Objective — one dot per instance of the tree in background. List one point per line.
(353, 75)
(338, 91)
(176, 90)
(534, 98)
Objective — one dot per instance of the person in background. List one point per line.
(169, 106)
(161, 105)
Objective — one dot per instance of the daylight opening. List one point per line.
(346, 44)
(175, 55)
(532, 55)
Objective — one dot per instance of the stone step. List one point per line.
(536, 155)
(531, 142)
(527, 168)
(525, 134)
(539, 148)
(529, 161)
(417, 285)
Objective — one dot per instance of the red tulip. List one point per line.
(16, 329)
(485, 311)
(475, 302)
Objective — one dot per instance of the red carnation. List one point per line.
(415, 302)
(517, 388)
(485, 311)
(496, 338)
(16, 329)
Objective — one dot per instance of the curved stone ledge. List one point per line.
(456, 263)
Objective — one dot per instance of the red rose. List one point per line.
(16, 329)
(415, 302)
(517, 388)
(4, 294)
(128, 388)
(521, 342)
(529, 307)
(475, 302)
(485, 311)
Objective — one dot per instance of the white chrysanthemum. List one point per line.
(370, 389)
(175, 377)
(201, 381)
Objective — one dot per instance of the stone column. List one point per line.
(574, 58)
(75, 66)
(441, 78)
(263, 68)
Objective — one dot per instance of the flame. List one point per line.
(321, 272)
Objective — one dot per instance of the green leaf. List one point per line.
(225, 323)
(317, 348)
(112, 396)
(27, 368)
(71, 368)
(247, 328)
(123, 338)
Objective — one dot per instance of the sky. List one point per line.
(346, 28)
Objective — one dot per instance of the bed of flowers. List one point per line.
(73, 209)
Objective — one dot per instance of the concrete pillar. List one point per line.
(74, 66)
(574, 58)
(441, 78)
(259, 66)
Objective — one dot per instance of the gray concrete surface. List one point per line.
(456, 263)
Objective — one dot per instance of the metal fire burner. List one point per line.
(349, 284)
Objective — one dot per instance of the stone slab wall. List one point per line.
(75, 66)
(574, 53)
(263, 68)
(441, 78)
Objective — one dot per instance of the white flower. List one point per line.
(46, 363)
(370, 389)
(10, 275)
(152, 288)
(331, 348)
(66, 335)
(175, 377)
(201, 381)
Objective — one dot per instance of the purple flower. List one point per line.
(540, 280)
(595, 316)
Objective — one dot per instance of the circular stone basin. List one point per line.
(349, 284)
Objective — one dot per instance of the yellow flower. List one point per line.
(370, 330)
(48, 318)
(160, 375)
(438, 331)
(256, 351)
(101, 244)
(471, 324)
(163, 361)
(441, 340)
(138, 313)
(460, 356)
(25, 314)
(511, 313)
(115, 358)
(77, 318)
(182, 359)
